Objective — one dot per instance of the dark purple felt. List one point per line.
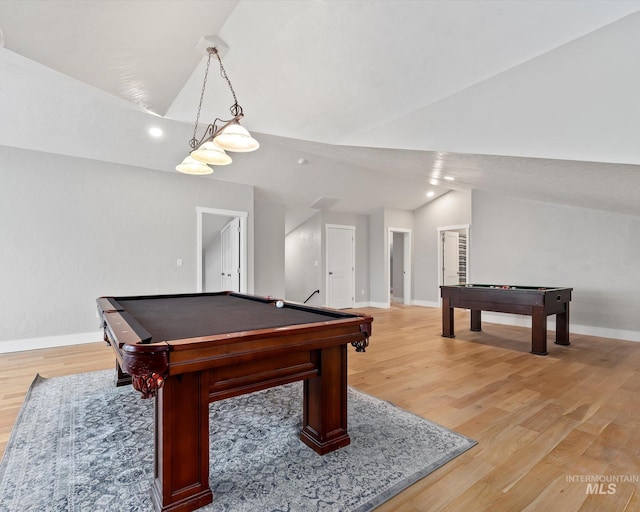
(173, 318)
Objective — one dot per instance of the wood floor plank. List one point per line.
(543, 424)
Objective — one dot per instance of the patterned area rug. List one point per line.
(81, 444)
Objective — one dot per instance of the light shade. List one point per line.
(192, 166)
(236, 138)
(211, 153)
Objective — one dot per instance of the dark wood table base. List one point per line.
(185, 374)
(538, 303)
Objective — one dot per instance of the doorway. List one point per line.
(453, 255)
(399, 271)
(229, 256)
(221, 249)
(341, 266)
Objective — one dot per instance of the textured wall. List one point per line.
(518, 241)
(269, 249)
(451, 209)
(303, 259)
(361, 223)
(73, 229)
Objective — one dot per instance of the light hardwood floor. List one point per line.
(544, 425)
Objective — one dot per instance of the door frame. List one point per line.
(233, 224)
(242, 216)
(460, 228)
(353, 259)
(406, 264)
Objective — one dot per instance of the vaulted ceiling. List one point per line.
(370, 103)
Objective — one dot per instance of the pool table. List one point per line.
(537, 302)
(192, 349)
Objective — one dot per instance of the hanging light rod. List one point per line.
(220, 136)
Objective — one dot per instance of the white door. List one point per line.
(340, 266)
(450, 258)
(230, 256)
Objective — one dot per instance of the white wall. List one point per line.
(378, 261)
(518, 241)
(72, 230)
(269, 249)
(303, 259)
(380, 222)
(306, 257)
(451, 209)
(399, 219)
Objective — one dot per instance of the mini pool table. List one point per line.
(192, 349)
(537, 302)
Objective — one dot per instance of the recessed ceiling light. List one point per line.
(154, 131)
(431, 193)
(449, 178)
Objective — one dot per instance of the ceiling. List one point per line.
(365, 104)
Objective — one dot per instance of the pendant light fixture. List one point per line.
(220, 136)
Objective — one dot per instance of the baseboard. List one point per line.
(49, 342)
(604, 332)
(381, 305)
(370, 305)
(426, 304)
(588, 330)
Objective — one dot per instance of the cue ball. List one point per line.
(279, 304)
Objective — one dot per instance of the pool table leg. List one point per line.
(476, 320)
(562, 327)
(325, 403)
(447, 319)
(538, 331)
(182, 444)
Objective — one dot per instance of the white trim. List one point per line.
(378, 305)
(605, 332)
(381, 305)
(426, 304)
(589, 330)
(200, 210)
(406, 264)
(49, 342)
